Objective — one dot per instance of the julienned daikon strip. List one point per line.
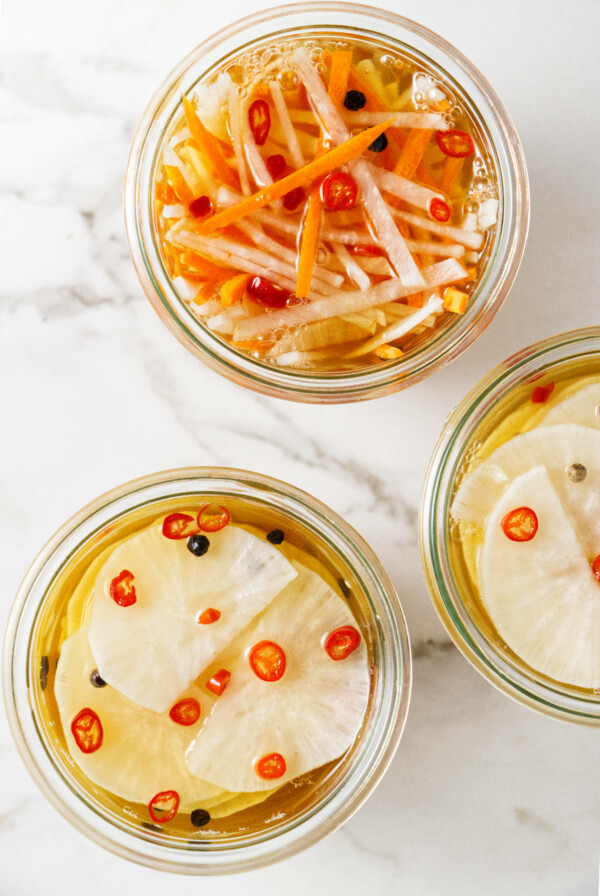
(379, 214)
(401, 328)
(429, 120)
(465, 237)
(286, 124)
(263, 241)
(320, 334)
(354, 271)
(268, 261)
(334, 158)
(258, 264)
(450, 271)
(405, 189)
(233, 103)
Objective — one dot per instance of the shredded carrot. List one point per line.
(472, 273)
(450, 174)
(412, 153)
(254, 345)
(165, 193)
(338, 81)
(209, 145)
(388, 352)
(332, 159)
(233, 290)
(415, 301)
(206, 290)
(202, 268)
(179, 183)
(455, 300)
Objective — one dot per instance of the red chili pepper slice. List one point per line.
(339, 191)
(87, 730)
(520, 524)
(276, 165)
(366, 251)
(163, 806)
(209, 616)
(179, 525)
(213, 517)
(271, 766)
(440, 210)
(596, 567)
(293, 199)
(457, 144)
(541, 394)
(185, 712)
(219, 682)
(267, 660)
(200, 207)
(264, 292)
(259, 117)
(121, 589)
(342, 642)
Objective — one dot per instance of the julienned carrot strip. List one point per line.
(197, 267)
(208, 144)
(179, 183)
(412, 153)
(450, 174)
(334, 158)
(338, 81)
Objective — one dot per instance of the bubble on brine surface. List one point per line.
(387, 60)
(471, 206)
(288, 79)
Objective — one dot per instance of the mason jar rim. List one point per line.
(380, 739)
(369, 382)
(448, 455)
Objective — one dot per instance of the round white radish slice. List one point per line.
(571, 457)
(541, 593)
(141, 753)
(583, 406)
(304, 711)
(150, 645)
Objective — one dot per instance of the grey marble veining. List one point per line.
(483, 795)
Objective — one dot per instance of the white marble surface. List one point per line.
(483, 796)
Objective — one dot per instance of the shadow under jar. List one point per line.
(421, 233)
(48, 657)
(509, 527)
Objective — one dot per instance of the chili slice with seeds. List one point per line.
(122, 590)
(213, 517)
(457, 144)
(520, 524)
(440, 210)
(339, 191)
(366, 251)
(267, 660)
(219, 682)
(185, 712)
(87, 730)
(259, 118)
(342, 642)
(596, 567)
(271, 766)
(209, 616)
(163, 806)
(541, 394)
(179, 525)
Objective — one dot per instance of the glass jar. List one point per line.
(29, 666)
(484, 412)
(471, 90)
